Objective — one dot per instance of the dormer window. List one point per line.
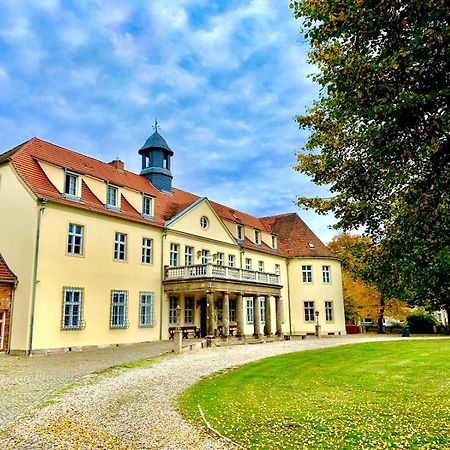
(257, 237)
(112, 197)
(71, 185)
(147, 206)
(240, 232)
(274, 242)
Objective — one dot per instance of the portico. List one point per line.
(219, 293)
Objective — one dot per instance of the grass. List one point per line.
(375, 395)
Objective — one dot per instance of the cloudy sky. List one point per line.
(224, 78)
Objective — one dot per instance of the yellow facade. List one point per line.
(96, 273)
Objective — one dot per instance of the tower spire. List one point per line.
(156, 126)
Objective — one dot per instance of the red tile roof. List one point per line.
(24, 158)
(6, 274)
(295, 238)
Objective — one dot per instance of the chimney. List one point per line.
(118, 164)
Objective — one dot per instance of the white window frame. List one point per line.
(119, 300)
(120, 246)
(174, 255)
(307, 274)
(232, 310)
(329, 313)
(147, 206)
(277, 269)
(188, 255)
(262, 309)
(231, 261)
(308, 309)
(205, 256)
(220, 258)
(248, 264)
(72, 236)
(147, 251)
(189, 310)
(204, 222)
(260, 266)
(69, 305)
(249, 310)
(110, 188)
(240, 232)
(173, 303)
(146, 310)
(274, 242)
(258, 237)
(71, 191)
(326, 274)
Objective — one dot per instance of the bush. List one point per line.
(394, 329)
(421, 322)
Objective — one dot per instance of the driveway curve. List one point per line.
(135, 409)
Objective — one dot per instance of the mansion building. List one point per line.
(94, 255)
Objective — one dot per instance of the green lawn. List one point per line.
(376, 395)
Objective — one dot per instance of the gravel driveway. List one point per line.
(135, 409)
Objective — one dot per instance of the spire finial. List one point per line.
(156, 126)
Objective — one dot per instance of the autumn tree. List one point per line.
(379, 134)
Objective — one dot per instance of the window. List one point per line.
(205, 257)
(147, 245)
(174, 250)
(220, 310)
(71, 185)
(261, 266)
(309, 311)
(188, 310)
(173, 303)
(188, 255)
(307, 274)
(72, 302)
(249, 310)
(248, 263)
(257, 237)
(231, 261)
(274, 241)
(220, 259)
(232, 310)
(326, 274)
(75, 239)
(112, 195)
(204, 222)
(146, 309)
(329, 311)
(119, 309)
(262, 308)
(120, 247)
(240, 232)
(147, 206)
(277, 269)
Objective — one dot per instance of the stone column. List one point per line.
(240, 315)
(210, 313)
(256, 317)
(177, 341)
(226, 314)
(268, 316)
(279, 315)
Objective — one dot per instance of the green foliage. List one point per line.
(380, 134)
(375, 395)
(421, 322)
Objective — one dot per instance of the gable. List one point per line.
(188, 221)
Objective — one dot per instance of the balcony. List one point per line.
(223, 273)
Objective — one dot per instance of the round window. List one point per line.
(204, 222)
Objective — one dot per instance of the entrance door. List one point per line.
(203, 317)
(2, 328)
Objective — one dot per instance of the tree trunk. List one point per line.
(447, 310)
(381, 316)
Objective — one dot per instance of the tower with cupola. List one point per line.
(156, 155)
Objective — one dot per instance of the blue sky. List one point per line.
(224, 78)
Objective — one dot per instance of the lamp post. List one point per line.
(178, 334)
(317, 324)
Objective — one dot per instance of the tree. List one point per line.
(362, 299)
(380, 133)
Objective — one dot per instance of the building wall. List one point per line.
(6, 296)
(17, 244)
(97, 273)
(318, 292)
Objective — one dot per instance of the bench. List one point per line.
(185, 330)
(232, 327)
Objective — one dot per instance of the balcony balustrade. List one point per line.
(201, 271)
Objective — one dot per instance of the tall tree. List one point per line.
(380, 132)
